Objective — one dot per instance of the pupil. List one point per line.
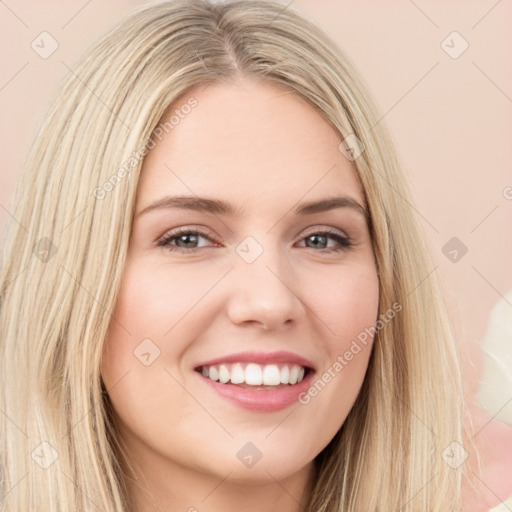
(185, 238)
(315, 238)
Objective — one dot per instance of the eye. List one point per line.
(320, 238)
(186, 240)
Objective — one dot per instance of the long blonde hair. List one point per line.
(64, 254)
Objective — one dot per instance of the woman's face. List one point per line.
(256, 291)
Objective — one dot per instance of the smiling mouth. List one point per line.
(255, 376)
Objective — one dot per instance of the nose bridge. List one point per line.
(263, 284)
(262, 266)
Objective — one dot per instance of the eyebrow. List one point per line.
(221, 207)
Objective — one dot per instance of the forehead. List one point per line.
(251, 143)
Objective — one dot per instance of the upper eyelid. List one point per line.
(206, 231)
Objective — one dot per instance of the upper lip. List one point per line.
(260, 358)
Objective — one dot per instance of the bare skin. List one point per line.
(263, 150)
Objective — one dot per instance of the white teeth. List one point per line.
(255, 374)
(285, 375)
(237, 374)
(213, 373)
(271, 375)
(223, 374)
(294, 374)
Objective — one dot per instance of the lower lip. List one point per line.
(261, 400)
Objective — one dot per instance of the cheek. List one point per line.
(347, 303)
(153, 306)
(349, 309)
(151, 297)
(151, 303)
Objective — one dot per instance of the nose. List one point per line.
(265, 292)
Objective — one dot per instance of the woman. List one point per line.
(216, 296)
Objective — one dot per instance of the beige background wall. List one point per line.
(451, 117)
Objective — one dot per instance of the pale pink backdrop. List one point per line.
(449, 111)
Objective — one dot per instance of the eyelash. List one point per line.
(344, 242)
